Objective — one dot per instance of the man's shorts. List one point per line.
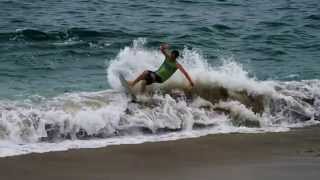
(152, 77)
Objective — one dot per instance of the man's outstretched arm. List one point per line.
(184, 72)
(164, 49)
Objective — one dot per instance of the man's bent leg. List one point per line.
(142, 76)
(143, 86)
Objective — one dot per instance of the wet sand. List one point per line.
(293, 155)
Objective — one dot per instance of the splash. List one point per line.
(225, 99)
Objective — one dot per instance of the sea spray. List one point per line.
(224, 100)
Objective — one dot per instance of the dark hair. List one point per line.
(176, 53)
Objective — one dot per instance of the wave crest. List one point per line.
(225, 99)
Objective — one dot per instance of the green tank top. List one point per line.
(166, 69)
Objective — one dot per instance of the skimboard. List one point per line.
(126, 87)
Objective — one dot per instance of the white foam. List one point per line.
(8, 148)
(131, 61)
(105, 112)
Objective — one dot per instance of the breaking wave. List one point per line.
(225, 99)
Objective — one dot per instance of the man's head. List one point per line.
(174, 54)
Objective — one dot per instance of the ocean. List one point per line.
(254, 63)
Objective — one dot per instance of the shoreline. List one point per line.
(287, 155)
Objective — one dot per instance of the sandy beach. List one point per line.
(290, 155)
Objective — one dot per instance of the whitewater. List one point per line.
(225, 99)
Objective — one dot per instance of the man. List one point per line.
(166, 70)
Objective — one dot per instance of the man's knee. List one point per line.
(145, 73)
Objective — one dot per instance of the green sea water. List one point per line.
(51, 47)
